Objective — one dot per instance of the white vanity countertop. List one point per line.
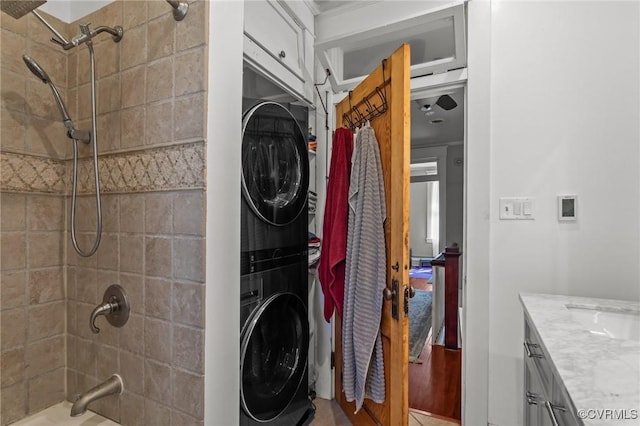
(598, 372)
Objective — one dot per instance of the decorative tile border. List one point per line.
(28, 173)
(156, 169)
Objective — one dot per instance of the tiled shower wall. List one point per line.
(33, 147)
(151, 143)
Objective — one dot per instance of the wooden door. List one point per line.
(392, 130)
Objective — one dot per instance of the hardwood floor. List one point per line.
(435, 384)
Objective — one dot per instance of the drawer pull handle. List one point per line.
(530, 353)
(532, 398)
(550, 409)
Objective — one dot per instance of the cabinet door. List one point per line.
(533, 397)
(268, 25)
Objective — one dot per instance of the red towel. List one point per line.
(334, 230)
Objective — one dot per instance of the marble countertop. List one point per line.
(598, 372)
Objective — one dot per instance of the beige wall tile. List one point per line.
(131, 369)
(46, 390)
(110, 15)
(84, 103)
(13, 289)
(156, 414)
(131, 253)
(72, 317)
(71, 289)
(13, 90)
(132, 337)
(13, 328)
(110, 213)
(159, 127)
(160, 36)
(134, 286)
(190, 72)
(132, 406)
(158, 298)
(107, 362)
(13, 47)
(46, 213)
(13, 403)
(109, 53)
(40, 100)
(83, 313)
(46, 137)
(135, 13)
(18, 26)
(12, 364)
(193, 32)
(45, 355)
(188, 210)
(133, 129)
(160, 80)
(87, 285)
(190, 118)
(12, 212)
(133, 47)
(72, 69)
(109, 94)
(72, 384)
(188, 393)
(157, 382)
(53, 61)
(156, 8)
(45, 321)
(108, 252)
(46, 285)
(157, 335)
(158, 257)
(13, 250)
(188, 259)
(188, 348)
(13, 132)
(109, 133)
(45, 249)
(133, 87)
(179, 418)
(86, 353)
(132, 213)
(188, 307)
(158, 210)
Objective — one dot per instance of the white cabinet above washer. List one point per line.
(279, 45)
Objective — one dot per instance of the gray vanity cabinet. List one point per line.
(545, 400)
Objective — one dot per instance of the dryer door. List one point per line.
(273, 356)
(275, 163)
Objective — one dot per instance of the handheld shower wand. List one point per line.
(38, 71)
(77, 135)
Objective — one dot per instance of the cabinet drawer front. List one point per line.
(533, 350)
(268, 25)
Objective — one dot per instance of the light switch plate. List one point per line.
(517, 208)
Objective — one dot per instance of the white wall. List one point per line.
(222, 333)
(565, 110)
(418, 220)
(455, 196)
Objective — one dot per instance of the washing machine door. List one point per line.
(273, 356)
(275, 163)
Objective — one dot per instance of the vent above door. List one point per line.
(437, 39)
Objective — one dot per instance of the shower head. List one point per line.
(44, 77)
(17, 9)
(36, 69)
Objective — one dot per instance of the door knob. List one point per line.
(115, 308)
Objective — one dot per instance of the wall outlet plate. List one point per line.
(567, 208)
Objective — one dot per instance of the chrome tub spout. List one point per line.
(110, 386)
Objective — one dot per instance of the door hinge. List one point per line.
(333, 360)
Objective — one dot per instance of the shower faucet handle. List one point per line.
(115, 308)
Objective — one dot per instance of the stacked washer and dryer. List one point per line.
(274, 335)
